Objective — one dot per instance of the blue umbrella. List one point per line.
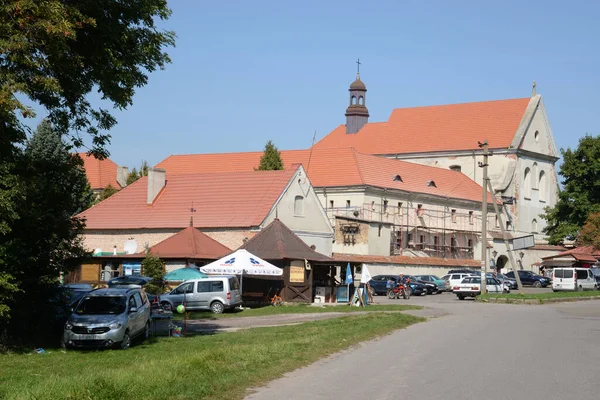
(184, 274)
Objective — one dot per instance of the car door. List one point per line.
(493, 285)
(204, 293)
(589, 281)
(133, 315)
(142, 312)
(379, 283)
(177, 295)
(526, 278)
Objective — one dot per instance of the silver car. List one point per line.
(215, 293)
(107, 318)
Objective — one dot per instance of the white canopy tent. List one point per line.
(241, 262)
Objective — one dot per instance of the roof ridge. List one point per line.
(358, 167)
(461, 104)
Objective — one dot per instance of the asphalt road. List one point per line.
(474, 351)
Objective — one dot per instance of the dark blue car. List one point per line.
(528, 278)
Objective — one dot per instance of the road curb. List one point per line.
(505, 300)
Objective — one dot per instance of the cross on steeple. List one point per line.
(358, 67)
(534, 89)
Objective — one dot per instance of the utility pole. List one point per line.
(505, 237)
(484, 205)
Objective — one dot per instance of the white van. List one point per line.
(573, 279)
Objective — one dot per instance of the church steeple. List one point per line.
(357, 114)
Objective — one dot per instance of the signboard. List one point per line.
(296, 274)
(523, 242)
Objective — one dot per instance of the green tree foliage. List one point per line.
(134, 175)
(53, 53)
(56, 51)
(271, 158)
(45, 242)
(581, 191)
(107, 192)
(153, 267)
(589, 234)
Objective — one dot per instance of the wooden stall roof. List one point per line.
(278, 242)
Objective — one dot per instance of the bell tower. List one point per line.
(357, 114)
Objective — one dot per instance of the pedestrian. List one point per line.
(370, 292)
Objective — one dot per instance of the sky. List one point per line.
(244, 72)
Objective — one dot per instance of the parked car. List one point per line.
(129, 281)
(464, 271)
(379, 284)
(454, 279)
(432, 279)
(216, 293)
(417, 289)
(511, 283)
(430, 287)
(573, 279)
(528, 278)
(108, 317)
(471, 287)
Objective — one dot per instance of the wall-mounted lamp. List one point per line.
(521, 254)
(494, 253)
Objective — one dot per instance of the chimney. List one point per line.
(156, 181)
(122, 174)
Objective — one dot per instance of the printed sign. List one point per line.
(296, 274)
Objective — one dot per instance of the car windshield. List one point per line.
(101, 305)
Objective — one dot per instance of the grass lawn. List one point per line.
(218, 366)
(295, 309)
(540, 296)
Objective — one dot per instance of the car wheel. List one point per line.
(579, 288)
(460, 296)
(166, 306)
(217, 307)
(537, 284)
(126, 342)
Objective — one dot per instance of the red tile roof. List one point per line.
(406, 260)
(100, 173)
(581, 253)
(190, 243)
(342, 167)
(277, 242)
(225, 199)
(226, 162)
(435, 128)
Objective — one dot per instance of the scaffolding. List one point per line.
(445, 232)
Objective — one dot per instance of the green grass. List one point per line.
(214, 367)
(295, 309)
(540, 296)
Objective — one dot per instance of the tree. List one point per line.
(589, 235)
(54, 53)
(46, 242)
(134, 175)
(580, 195)
(271, 159)
(107, 192)
(153, 267)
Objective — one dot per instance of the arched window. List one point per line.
(534, 226)
(542, 186)
(361, 101)
(536, 136)
(353, 100)
(534, 175)
(455, 168)
(527, 184)
(298, 206)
